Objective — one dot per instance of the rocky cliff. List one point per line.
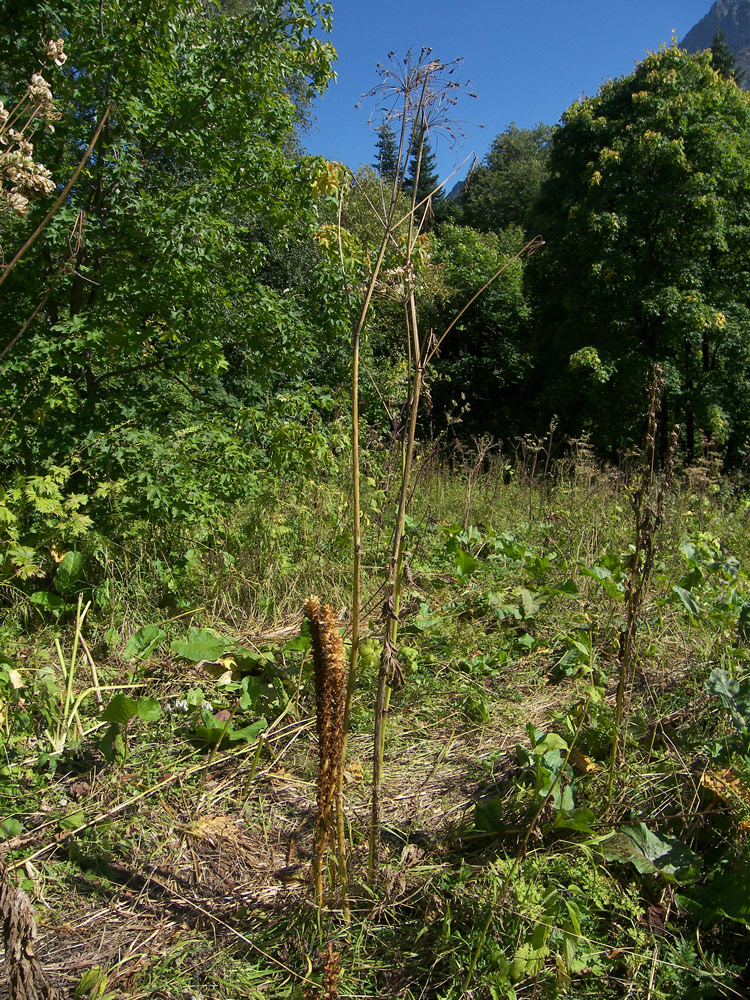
(733, 18)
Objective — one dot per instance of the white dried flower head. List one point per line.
(54, 51)
(40, 91)
(17, 202)
(49, 128)
(41, 183)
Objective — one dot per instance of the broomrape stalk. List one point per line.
(330, 695)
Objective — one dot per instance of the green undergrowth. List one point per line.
(158, 751)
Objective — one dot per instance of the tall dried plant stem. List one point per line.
(425, 94)
(359, 326)
(648, 502)
(389, 673)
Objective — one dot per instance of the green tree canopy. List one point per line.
(646, 215)
(500, 192)
(181, 269)
(485, 361)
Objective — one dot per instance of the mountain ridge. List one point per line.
(732, 17)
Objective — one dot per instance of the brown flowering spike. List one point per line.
(26, 979)
(331, 975)
(330, 695)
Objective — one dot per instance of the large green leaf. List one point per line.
(10, 828)
(69, 572)
(735, 697)
(651, 853)
(73, 822)
(212, 730)
(143, 642)
(46, 599)
(466, 564)
(727, 895)
(688, 600)
(489, 815)
(581, 819)
(148, 709)
(201, 644)
(121, 710)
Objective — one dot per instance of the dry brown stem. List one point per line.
(648, 501)
(26, 979)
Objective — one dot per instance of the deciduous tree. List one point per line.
(501, 191)
(177, 305)
(645, 214)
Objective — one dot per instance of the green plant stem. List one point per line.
(68, 670)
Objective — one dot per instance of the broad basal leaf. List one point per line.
(651, 853)
(735, 697)
(69, 572)
(728, 895)
(120, 710)
(201, 644)
(688, 600)
(144, 641)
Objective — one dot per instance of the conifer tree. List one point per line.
(386, 152)
(723, 60)
(428, 177)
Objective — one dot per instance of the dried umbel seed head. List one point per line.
(40, 93)
(16, 202)
(27, 177)
(54, 51)
(22, 180)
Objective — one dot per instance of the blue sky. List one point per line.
(527, 60)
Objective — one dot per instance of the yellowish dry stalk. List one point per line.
(330, 698)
